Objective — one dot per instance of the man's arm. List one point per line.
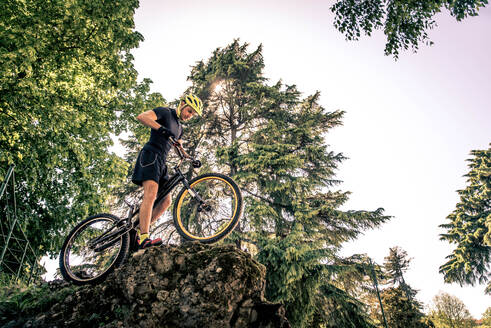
(149, 119)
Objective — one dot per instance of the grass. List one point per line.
(18, 300)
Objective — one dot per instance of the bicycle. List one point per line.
(207, 209)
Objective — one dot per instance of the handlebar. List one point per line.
(180, 151)
(183, 154)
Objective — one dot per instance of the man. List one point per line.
(150, 169)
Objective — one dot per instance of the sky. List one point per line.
(409, 124)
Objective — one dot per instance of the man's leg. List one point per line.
(150, 188)
(160, 208)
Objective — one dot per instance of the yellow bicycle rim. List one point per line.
(179, 204)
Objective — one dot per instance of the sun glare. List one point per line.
(219, 87)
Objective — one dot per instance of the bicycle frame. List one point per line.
(176, 179)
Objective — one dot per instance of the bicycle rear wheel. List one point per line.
(208, 211)
(84, 258)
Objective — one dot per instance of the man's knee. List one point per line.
(164, 203)
(150, 188)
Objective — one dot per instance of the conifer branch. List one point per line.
(265, 199)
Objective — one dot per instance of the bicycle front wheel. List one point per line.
(209, 210)
(87, 258)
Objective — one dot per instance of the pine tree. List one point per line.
(315, 294)
(272, 142)
(400, 305)
(470, 226)
(395, 265)
(294, 273)
(401, 311)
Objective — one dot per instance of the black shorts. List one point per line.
(150, 165)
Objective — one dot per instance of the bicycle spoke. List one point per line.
(216, 212)
(83, 261)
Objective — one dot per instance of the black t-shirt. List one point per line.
(167, 117)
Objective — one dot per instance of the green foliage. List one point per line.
(298, 276)
(401, 308)
(272, 142)
(405, 23)
(337, 308)
(450, 312)
(486, 318)
(395, 265)
(22, 301)
(401, 311)
(294, 272)
(470, 226)
(64, 65)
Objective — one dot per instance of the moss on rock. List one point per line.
(193, 285)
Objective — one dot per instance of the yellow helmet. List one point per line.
(194, 102)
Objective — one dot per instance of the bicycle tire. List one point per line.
(198, 185)
(64, 258)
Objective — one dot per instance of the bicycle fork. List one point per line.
(202, 204)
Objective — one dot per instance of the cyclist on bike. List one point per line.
(150, 169)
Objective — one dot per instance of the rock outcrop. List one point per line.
(193, 285)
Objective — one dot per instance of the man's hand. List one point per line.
(178, 145)
(149, 118)
(165, 132)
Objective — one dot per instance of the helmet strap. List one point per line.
(178, 111)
